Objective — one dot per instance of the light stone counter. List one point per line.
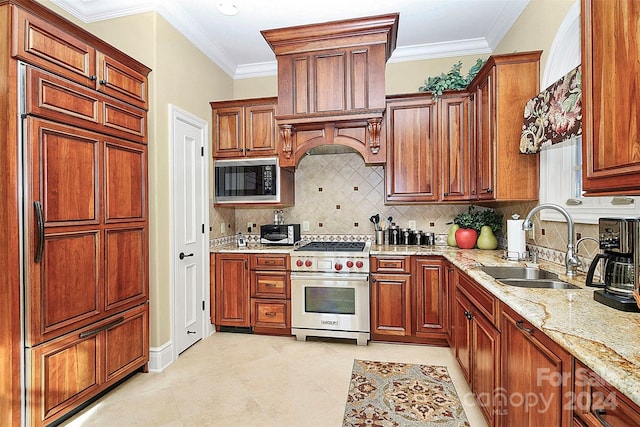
(604, 339)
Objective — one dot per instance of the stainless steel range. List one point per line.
(330, 291)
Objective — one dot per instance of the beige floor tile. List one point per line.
(237, 380)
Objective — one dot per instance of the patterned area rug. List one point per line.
(389, 394)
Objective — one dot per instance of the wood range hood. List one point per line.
(331, 85)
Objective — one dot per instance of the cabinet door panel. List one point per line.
(127, 343)
(431, 309)
(66, 178)
(486, 366)
(120, 81)
(485, 137)
(63, 372)
(233, 303)
(412, 169)
(455, 137)
(125, 181)
(124, 120)
(67, 288)
(533, 366)
(228, 133)
(390, 305)
(126, 275)
(42, 43)
(611, 141)
(260, 129)
(462, 333)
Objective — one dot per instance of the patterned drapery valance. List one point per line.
(554, 115)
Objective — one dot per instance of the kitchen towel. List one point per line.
(516, 239)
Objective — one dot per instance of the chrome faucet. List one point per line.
(571, 260)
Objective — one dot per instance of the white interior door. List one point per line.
(189, 195)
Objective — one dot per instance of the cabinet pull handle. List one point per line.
(269, 313)
(519, 324)
(40, 222)
(270, 285)
(102, 328)
(468, 315)
(598, 414)
(489, 190)
(103, 82)
(270, 262)
(93, 78)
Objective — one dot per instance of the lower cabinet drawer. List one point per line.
(597, 403)
(270, 313)
(67, 371)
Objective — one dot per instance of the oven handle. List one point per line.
(355, 277)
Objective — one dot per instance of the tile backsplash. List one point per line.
(337, 193)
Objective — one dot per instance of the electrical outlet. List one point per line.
(223, 227)
(412, 224)
(249, 226)
(305, 225)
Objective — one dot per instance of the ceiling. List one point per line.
(427, 29)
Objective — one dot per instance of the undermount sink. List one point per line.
(538, 283)
(527, 277)
(528, 273)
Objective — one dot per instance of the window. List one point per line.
(561, 164)
(561, 184)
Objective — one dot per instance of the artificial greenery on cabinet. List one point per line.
(452, 80)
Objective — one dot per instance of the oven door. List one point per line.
(330, 301)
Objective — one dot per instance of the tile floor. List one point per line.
(254, 380)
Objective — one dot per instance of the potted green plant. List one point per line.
(477, 226)
(468, 223)
(452, 80)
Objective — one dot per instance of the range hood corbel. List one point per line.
(331, 85)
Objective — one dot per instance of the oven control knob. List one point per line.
(299, 263)
(308, 263)
(338, 266)
(349, 264)
(359, 264)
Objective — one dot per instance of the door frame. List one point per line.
(175, 114)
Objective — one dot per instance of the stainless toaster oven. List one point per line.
(279, 234)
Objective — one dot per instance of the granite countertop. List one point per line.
(604, 339)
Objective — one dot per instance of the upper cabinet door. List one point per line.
(610, 89)
(120, 81)
(456, 131)
(260, 129)
(412, 155)
(46, 45)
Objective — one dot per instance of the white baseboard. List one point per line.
(160, 357)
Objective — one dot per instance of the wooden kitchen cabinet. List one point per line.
(390, 297)
(70, 369)
(75, 194)
(431, 298)
(610, 70)
(50, 46)
(477, 344)
(409, 299)
(233, 299)
(412, 171)
(598, 403)
(455, 128)
(500, 91)
(244, 128)
(270, 294)
(536, 369)
(58, 99)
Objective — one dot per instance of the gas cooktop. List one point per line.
(333, 247)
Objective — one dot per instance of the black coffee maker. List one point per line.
(617, 241)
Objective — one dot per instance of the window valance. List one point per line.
(554, 115)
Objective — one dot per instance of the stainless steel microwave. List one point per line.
(247, 181)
